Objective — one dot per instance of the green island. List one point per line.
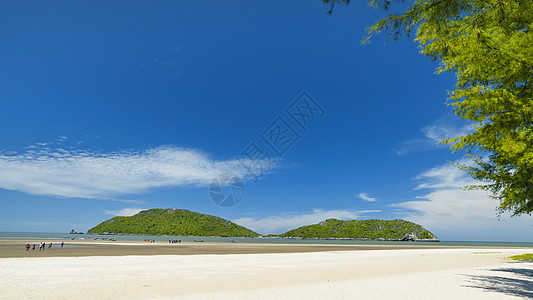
(172, 221)
(181, 222)
(391, 230)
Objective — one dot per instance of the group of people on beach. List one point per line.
(42, 246)
(174, 241)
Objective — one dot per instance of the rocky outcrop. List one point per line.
(412, 236)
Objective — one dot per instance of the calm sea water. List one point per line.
(37, 236)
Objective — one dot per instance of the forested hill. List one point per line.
(183, 222)
(363, 229)
(172, 221)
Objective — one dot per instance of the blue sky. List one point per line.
(112, 107)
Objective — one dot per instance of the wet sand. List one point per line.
(15, 248)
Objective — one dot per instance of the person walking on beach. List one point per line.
(27, 246)
(50, 246)
(33, 248)
(62, 244)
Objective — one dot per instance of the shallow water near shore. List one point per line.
(23, 236)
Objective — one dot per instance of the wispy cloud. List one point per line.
(131, 201)
(453, 213)
(285, 222)
(366, 197)
(445, 176)
(367, 211)
(125, 212)
(86, 174)
(443, 128)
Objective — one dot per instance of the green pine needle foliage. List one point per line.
(488, 46)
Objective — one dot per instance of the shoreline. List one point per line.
(435, 240)
(85, 248)
(24, 236)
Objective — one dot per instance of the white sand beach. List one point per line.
(382, 274)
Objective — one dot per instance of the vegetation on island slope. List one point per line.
(183, 222)
(172, 221)
(363, 229)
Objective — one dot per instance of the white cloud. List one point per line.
(125, 212)
(285, 222)
(366, 197)
(86, 174)
(455, 214)
(445, 176)
(443, 128)
(366, 211)
(131, 201)
(445, 131)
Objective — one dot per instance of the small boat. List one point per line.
(199, 241)
(233, 241)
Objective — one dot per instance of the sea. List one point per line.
(37, 236)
